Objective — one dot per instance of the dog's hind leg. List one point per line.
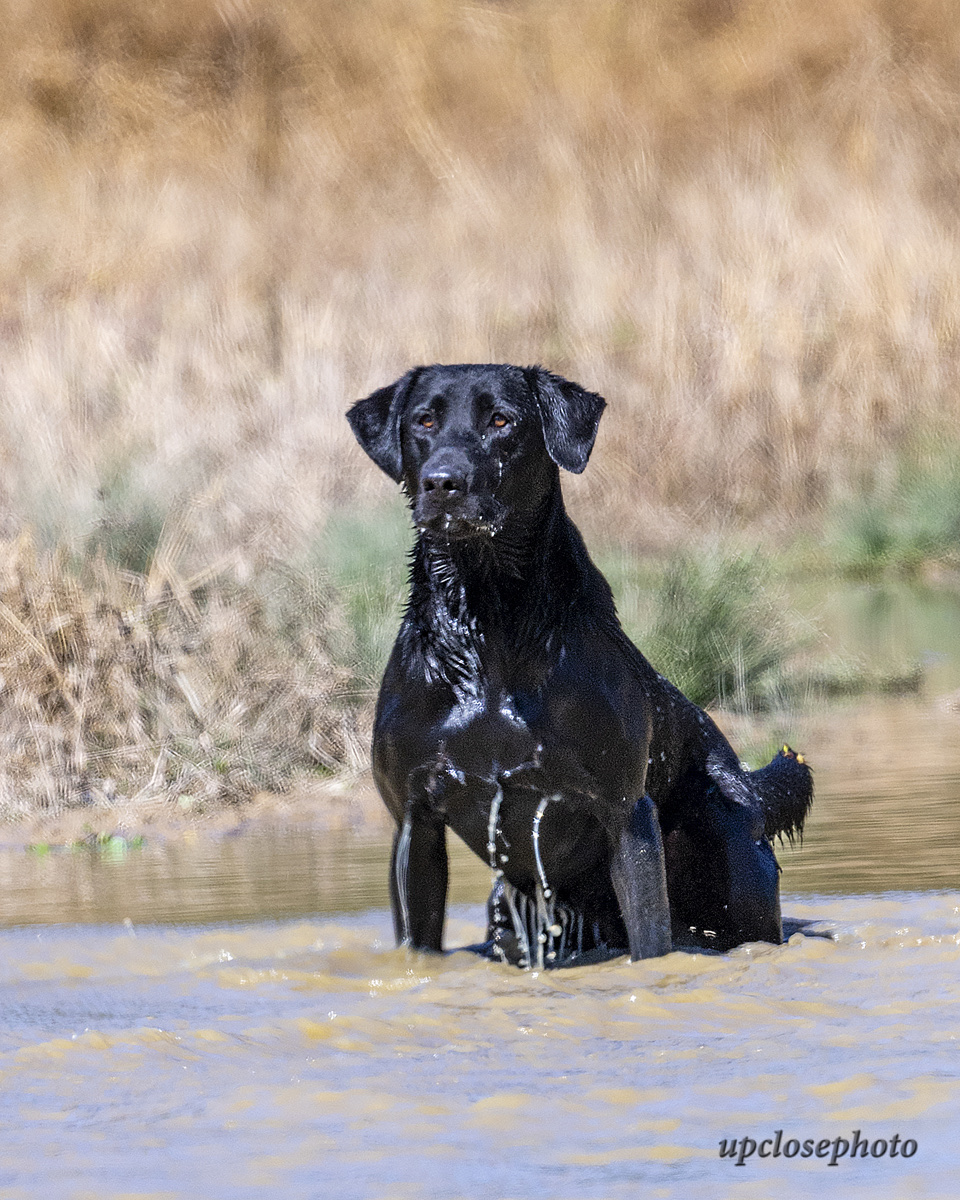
(723, 877)
(639, 881)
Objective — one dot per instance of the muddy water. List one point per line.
(308, 1058)
(228, 1018)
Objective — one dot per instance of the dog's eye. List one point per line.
(499, 421)
(426, 420)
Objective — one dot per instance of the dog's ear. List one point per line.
(375, 422)
(570, 416)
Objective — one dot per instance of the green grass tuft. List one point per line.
(908, 518)
(129, 520)
(720, 631)
(718, 625)
(365, 557)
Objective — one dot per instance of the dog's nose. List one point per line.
(448, 481)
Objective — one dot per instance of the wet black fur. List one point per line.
(514, 704)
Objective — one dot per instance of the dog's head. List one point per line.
(474, 444)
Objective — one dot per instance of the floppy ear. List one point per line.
(376, 424)
(570, 416)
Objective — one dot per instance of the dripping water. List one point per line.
(546, 931)
(401, 868)
(520, 924)
(493, 831)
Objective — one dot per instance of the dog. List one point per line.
(614, 814)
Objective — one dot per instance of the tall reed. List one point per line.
(219, 224)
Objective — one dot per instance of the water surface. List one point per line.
(309, 1058)
(228, 1017)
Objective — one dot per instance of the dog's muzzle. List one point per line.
(448, 504)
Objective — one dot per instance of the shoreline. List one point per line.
(348, 803)
(876, 744)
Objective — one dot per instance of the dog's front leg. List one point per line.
(418, 875)
(639, 880)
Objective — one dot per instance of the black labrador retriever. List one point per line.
(613, 812)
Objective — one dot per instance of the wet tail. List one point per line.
(785, 786)
(782, 790)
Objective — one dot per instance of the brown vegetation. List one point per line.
(736, 218)
(119, 685)
(220, 223)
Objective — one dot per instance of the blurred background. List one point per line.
(221, 223)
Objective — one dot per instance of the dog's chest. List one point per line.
(527, 812)
(489, 736)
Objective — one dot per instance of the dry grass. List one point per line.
(124, 686)
(221, 222)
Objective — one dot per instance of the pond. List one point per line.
(227, 1017)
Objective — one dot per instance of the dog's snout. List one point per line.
(447, 480)
(447, 494)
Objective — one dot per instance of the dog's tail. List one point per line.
(783, 790)
(785, 785)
